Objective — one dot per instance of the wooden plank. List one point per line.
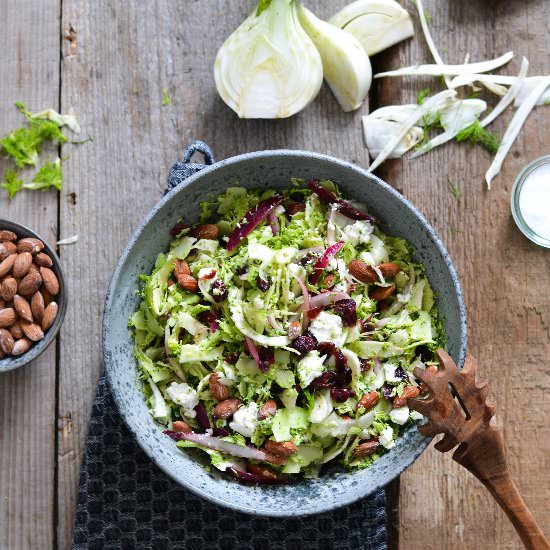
(505, 279)
(29, 72)
(126, 54)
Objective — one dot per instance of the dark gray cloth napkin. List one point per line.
(125, 502)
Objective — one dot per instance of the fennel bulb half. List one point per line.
(269, 67)
(346, 65)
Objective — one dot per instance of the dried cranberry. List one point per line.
(340, 360)
(401, 374)
(365, 326)
(314, 312)
(326, 380)
(267, 358)
(243, 270)
(209, 317)
(220, 432)
(341, 394)
(326, 348)
(386, 391)
(343, 377)
(347, 309)
(304, 344)
(232, 358)
(308, 259)
(263, 284)
(219, 291)
(177, 229)
(366, 365)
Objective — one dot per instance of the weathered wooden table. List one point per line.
(111, 62)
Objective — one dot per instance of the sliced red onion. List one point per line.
(274, 323)
(272, 219)
(202, 416)
(251, 219)
(377, 365)
(382, 323)
(331, 234)
(253, 351)
(225, 447)
(306, 305)
(305, 251)
(255, 479)
(347, 209)
(327, 298)
(324, 260)
(178, 436)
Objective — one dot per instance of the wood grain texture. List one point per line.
(29, 72)
(505, 279)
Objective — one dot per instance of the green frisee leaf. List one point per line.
(11, 183)
(49, 175)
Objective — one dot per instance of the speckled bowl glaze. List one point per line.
(268, 169)
(10, 363)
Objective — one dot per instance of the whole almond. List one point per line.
(6, 235)
(263, 471)
(206, 231)
(8, 288)
(7, 249)
(21, 346)
(47, 296)
(362, 272)
(181, 268)
(43, 260)
(51, 284)
(21, 264)
(379, 293)
(226, 409)
(30, 244)
(50, 313)
(269, 408)
(280, 448)
(34, 268)
(365, 449)
(217, 389)
(408, 391)
(389, 270)
(278, 460)
(7, 317)
(37, 306)
(29, 284)
(23, 308)
(181, 426)
(32, 331)
(2, 303)
(189, 283)
(16, 330)
(368, 400)
(6, 264)
(6, 341)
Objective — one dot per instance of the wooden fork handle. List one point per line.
(485, 458)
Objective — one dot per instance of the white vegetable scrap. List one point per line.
(68, 240)
(377, 24)
(514, 128)
(346, 66)
(429, 105)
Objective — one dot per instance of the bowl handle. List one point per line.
(184, 168)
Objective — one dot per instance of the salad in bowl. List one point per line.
(279, 334)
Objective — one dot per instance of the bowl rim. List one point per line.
(320, 507)
(11, 363)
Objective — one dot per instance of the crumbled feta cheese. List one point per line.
(257, 251)
(258, 303)
(245, 419)
(415, 415)
(400, 415)
(322, 407)
(285, 255)
(358, 232)
(389, 372)
(208, 245)
(185, 396)
(386, 438)
(332, 265)
(327, 327)
(310, 367)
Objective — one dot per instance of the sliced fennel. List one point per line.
(377, 24)
(454, 117)
(429, 40)
(441, 70)
(269, 67)
(384, 123)
(514, 128)
(346, 66)
(427, 107)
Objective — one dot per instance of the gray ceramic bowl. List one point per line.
(10, 363)
(270, 169)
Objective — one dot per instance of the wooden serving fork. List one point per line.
(458, 407)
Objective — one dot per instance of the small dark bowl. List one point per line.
(10, 363)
